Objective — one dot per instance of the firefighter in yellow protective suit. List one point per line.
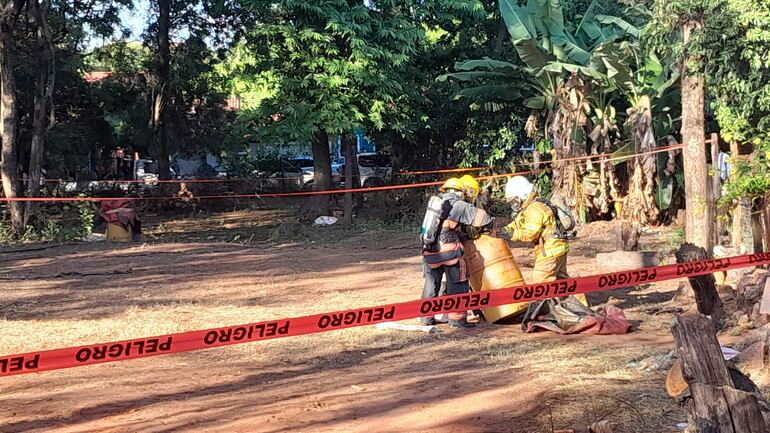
(535, 222)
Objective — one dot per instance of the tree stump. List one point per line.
(703, 286)
(716, 406)
(627, 235)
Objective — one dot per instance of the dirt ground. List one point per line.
(245, 266)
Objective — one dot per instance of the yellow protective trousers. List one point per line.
(552, 268)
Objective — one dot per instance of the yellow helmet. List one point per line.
(452, 183)
(471, 186)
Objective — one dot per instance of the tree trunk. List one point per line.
(699, 222)
(627, 235)
(716, 189)
(9, 167)
(43, 116)
(766, 223)
(716, 405)
(703, 286)
(348, 148)
(322, 176)
(162, 98)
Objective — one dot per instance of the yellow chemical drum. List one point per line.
(118, 233)
(491, 267)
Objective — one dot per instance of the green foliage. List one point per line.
(87, 212)
(337, 65)
(124, 58)
(240, 75)
(731, 47)
(54, 229)
(751, 178)
(491, 140)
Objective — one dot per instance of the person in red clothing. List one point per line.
(122, 212)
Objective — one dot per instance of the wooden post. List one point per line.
(716, 189)
(766, 222)
(698, 218)
(348, 147)
(743, 234)
(716, 405)
(627, 236)
(704, 286)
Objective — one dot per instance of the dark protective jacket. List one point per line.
(460, 213)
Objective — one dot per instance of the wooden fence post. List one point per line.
(704, 286)
(716, 189)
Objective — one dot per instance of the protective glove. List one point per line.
(503, 234)
(473, 232)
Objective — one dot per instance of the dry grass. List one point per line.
(361, 379)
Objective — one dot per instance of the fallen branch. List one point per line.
(66, 274)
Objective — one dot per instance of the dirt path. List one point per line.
(492, 379)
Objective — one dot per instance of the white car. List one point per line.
(300, 173)
(374, 168)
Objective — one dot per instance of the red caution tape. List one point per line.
(330, 191)
(266, 195)
(599, 158)
(34, 362)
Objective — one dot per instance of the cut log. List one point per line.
(698, 349)
(716, 405)
(704, 286)
(676, 386)
(732, 410)
(625, 260)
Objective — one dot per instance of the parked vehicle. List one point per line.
(147, 170)
(300, 173)
(374, 169)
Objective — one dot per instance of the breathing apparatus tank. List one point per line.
(431, 223)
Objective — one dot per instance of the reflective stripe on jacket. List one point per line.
(535, 223)
(450, 247)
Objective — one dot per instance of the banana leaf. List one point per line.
(472, 75)
(550, 11)
(531, 54)
(571, 50)
(623, 154)
(536, 103)
(588, 24)
(518, 20)
(505, 92)
(561, 67)
(622, 24)
(485, 63)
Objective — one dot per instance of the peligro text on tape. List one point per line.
(55, 359)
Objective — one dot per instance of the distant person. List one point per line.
(441, 236)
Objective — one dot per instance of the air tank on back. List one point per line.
(491, 267)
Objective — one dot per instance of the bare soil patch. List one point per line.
(239, 267)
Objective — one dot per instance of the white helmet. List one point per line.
(518, 187)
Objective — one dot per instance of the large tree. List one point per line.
(338, 65)
(10, 10)
(694, 35)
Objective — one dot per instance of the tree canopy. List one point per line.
(439, 83)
